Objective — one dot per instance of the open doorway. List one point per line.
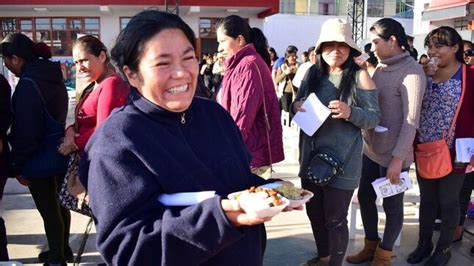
(209, 45)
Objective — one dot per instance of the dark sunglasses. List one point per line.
(469, 52)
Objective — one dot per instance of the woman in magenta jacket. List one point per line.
(248, 93)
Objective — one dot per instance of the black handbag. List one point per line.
(324, 166)
(46, 161)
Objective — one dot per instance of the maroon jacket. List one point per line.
(465, 119)
(242, 96)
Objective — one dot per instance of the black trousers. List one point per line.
(56, 219)
(327, 212)
(3, 230)
(465, 197)
(392, 206)
(443, 192)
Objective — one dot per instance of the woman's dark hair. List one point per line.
(321, 69)
(372, 59)
(287, 54)
(131, 41)
(20, 45)
(234, 26)
(468, 43)
(271, 49)
(387, 27)
(92, 45)
(446, 36)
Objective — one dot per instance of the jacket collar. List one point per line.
(156, 112)
(248, 49)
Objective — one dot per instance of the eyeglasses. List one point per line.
(469, 52)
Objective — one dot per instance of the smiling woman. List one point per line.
(166, 141)
(168, 71)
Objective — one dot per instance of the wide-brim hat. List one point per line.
(336, 30)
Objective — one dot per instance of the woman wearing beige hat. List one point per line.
(401, 83)
(350, 94)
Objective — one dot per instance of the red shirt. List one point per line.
(111, 93)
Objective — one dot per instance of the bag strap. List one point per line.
(267, 122)
(463, 82)
(43, 101)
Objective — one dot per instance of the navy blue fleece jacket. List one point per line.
(142, 151)
(28, 126)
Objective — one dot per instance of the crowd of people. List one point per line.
(140, 132)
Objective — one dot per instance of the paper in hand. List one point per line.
(383, 188)
(314, 116)
(464, 149)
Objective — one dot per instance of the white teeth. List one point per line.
(178, 89)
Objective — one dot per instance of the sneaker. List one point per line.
(68, 255)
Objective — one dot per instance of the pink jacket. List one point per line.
(242, 96)
(111, 93)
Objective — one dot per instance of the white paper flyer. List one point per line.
(383, 188)
(313, 117)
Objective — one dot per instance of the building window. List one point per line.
(461, 23)
(124, 21)
(58, 33)
(375, 8)
(287, 6)
(208, 27)
(326, 7)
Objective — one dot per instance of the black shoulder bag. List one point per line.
(324, 166)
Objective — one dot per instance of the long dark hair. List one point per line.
(21, 46)
(271, 49)
(131, 41)
(234, 26)
(321, 69)
(446, 36)
(387, 27)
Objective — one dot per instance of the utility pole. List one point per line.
(355, 16)
(172, 7)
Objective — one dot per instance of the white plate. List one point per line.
(259, 209)
(297, 203)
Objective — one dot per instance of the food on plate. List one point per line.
(292, 193)
(259, 194)
(260, 202)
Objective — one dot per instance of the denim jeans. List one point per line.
(327, 212)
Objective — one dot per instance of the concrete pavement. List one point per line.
(290, 241)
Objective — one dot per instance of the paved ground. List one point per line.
(290, 241)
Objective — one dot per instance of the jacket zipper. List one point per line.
(183, 118)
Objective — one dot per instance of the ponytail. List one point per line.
(42, 50)
(261, 44)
